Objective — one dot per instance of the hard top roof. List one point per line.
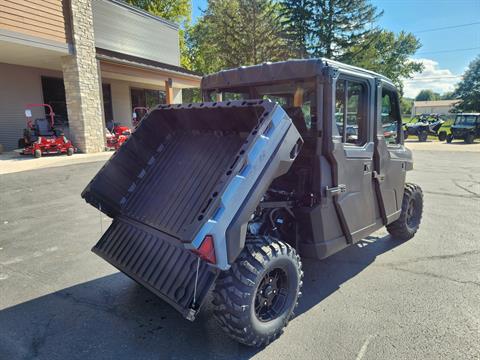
(278, 71)
(473, 114)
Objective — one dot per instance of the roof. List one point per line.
(114, 56)
(278, 71)
(434, 103)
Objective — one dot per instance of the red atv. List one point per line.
(135, 120)
(41, 138)
(117, 135)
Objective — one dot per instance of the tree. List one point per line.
(338, 25)
(468, 90)
(237, 32)
(406, 105)
(297, 17)
(427, 95)
(450, 95)
(177, 11)
(386, 53)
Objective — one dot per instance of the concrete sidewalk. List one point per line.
(12, 162)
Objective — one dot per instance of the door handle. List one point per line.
(367, 168)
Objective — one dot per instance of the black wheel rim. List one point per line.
(412, 214)
(271, 295)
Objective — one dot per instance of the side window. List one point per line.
(351, 101)
(391, 119)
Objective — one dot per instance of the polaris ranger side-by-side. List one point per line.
(227, 195)
(465, 127)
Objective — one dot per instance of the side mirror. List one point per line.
(134, 115)
(28, 113)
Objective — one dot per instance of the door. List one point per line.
(353, 156)
(390, 155)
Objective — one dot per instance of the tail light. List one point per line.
(206, 251)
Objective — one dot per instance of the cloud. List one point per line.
(432, 77)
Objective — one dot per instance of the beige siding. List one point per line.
(19, 85)
(121, 101)
(40, 18)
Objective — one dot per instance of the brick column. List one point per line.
(82, 85)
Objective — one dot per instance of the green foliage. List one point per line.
(448, 96)
(406, 105)
(338, 25)
(427, 95)
(297, 17)
(237, 32)
(177, 11)
(468, 90)
(386, 53)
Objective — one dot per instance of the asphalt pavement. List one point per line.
(379, 299)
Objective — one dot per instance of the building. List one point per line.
(92, 60)
(441, 107)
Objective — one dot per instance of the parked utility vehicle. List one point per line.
(426, 124)
(41, 137)
(466, 128)
(228, 194)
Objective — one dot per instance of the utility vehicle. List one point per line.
(466, 127)
(41, 137)
(227, 195)
(427, 124)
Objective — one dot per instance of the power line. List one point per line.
(447, 27)
(434, 78)
(447, 51)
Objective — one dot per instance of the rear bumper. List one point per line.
(158, 262)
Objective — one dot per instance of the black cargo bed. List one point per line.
(170, 171)
(181, 180)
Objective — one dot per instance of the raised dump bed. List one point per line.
(189, 172)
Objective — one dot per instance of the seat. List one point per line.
(43, 128)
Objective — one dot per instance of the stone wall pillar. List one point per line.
(82, 84)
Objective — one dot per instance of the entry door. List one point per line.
(353, 147)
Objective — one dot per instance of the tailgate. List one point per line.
(157, 262)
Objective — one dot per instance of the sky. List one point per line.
(445, 53)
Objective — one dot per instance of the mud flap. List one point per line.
(159, 263)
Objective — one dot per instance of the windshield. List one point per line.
(465, 120)
(298, 99)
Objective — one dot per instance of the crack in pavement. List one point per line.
(433, 275)
(474, 196)
(434, 257)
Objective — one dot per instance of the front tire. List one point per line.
(37, 153)
(255, 298)
(70, 151)
(449, 138)
(442, 136)
(422, 136)
(405, 227)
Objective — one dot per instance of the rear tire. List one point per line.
(469, 139)
(70, 151)
(37, 153)
(255, 298)
(449, 138)
(405, 227)
(442, 135)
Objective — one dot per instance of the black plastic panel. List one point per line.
(158, 263)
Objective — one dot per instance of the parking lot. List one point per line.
(379, 299)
